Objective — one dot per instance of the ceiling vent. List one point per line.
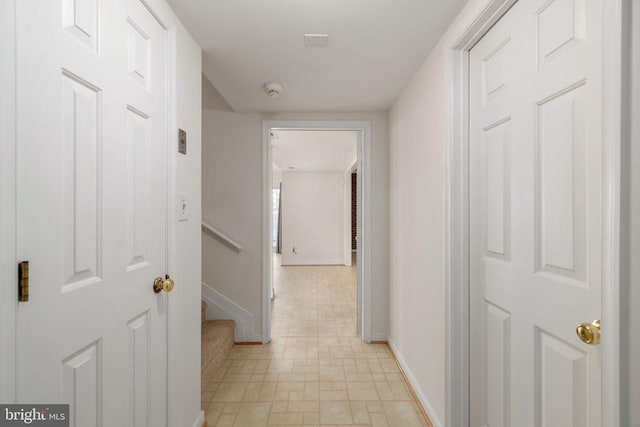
(316, 39)
(273, 89)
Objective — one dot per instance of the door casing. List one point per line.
(364, 225)
(477, 18)
(8, 268)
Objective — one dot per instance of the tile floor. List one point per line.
(316, 371)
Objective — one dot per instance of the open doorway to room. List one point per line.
(313, 273)
(314, 216)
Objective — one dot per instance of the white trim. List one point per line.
(8, 268)
(267, 234)
(463, 36)
(461, 39)
(296, 261)
(612, 90)
(414, 385)
(221, 307)
(173, 352)
(364, 226)
(199, 420)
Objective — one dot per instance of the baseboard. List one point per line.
(200, 421)
(221, 307)
(294, 261)
(423, 402)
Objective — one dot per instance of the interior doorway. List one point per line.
(463, 39)
(302, 239)
(313, 274)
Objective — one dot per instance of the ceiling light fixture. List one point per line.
(273, 89)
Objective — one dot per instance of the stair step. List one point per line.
(217, 341)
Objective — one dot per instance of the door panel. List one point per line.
(535, 209)
(92, 161)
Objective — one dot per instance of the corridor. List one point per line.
(316, 370)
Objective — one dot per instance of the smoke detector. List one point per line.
(273, 89)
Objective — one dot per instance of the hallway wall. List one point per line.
(418, 136)
(232, 202)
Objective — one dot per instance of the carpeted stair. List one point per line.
(217, 341)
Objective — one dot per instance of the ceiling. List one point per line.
(374, 48)
(314, 150)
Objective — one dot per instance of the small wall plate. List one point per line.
(182, 141)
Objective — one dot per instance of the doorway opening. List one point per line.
(310, 199)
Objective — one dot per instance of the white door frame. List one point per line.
(364, 226)
(8, 267)
(8, 194)
(462, 37)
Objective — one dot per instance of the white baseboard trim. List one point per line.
(200, 420)
(221, 307)
(380, 337)
(414, 384)
(296, 261)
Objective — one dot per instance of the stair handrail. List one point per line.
(226, 239)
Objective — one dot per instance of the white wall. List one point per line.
(418, 136)
(312, 218)
(232, 179)
(232, 202)
(419, 139)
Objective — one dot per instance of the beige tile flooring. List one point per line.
(316, 371)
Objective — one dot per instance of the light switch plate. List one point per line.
(183, 207)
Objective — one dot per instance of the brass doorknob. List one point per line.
(159, 284)
(589, 333)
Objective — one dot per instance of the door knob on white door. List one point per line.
(159, 284)
(589, 333)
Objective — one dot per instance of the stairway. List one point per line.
(217, 341)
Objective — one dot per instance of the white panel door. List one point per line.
(92, 161)
(535, 228)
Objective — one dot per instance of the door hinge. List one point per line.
(23, 281)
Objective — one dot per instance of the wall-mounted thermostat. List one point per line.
(182, 141)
